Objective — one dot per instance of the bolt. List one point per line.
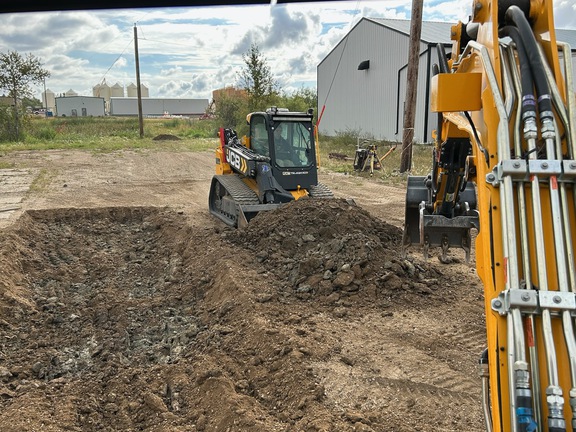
(516, 164)
(525, 297)
(490, 177)
(573, 165)
(544, 165)
(557, 299)
(478, 6)
(497, 304)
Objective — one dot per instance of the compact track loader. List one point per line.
(275, 164)
(504, 163)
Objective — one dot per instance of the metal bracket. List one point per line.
(517, 169)
(544, 168)
(557, 300)
(533, 301)
(568, 171)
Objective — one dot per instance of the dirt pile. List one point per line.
(128, 318)
(333, 249)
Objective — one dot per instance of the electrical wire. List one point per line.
(337, 65)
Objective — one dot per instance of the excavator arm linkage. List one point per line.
(504, 164)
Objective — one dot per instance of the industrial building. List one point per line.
(128, 106)
(362, 81)
(80, 106)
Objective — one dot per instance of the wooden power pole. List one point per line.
(138, 90)
(411, 85)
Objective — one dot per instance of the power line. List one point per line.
(117, 58)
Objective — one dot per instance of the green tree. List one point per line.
(31, 102)
(256, 78)
(17, 74)
(231, 112)
(301, 100)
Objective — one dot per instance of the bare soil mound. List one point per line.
(166, 137)
(333, 249)
(128, 318)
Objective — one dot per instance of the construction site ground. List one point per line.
(125, 306)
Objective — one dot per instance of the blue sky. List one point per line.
(188, 52)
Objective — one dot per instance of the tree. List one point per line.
(256, 78)
(31, 102)
(301, 100)
(17, 74)
(231, 112)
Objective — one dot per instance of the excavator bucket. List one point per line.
(423, 227)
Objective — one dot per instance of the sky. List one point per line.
(189, 52)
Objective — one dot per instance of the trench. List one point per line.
(105, 286)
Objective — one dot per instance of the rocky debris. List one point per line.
(130, 319)
(323, 247)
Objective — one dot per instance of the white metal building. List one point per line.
(369, 99)
(128, 106)
(79, 106)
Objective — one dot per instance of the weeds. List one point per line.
(107, 134)
(344, 144)
(101, 134)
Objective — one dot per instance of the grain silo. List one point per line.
(48, 100)
(101, 90)
(117, 90)
(70, 93)
(132, 90)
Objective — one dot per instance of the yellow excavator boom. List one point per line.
(507, 124)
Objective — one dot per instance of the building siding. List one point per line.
(79, 106)
(370, 103)
(157, 106)
(365, 102)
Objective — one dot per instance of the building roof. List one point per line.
(432, 31)
(568, 36)
(439, 32)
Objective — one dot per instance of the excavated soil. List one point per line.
(134, 315)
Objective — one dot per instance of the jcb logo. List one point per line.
(234, 160)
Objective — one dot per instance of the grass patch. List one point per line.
(42, 180)
(345, 144)
(107, 134)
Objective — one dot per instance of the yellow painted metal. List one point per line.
(221, 166)
(491, 262)
(456, 92)
(299, 193)
(246, 141)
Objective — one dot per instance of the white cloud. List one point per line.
(194, 50)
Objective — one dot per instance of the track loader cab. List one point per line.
(274, 165)
(287, 138)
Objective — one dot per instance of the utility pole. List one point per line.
(45, 99)
(411, 85)
(139, 90)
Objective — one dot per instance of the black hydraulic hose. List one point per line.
(527, 82)
(515, 15)
(442, 58)
(522, 391)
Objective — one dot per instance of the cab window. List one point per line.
(259, 136)
(293, 144)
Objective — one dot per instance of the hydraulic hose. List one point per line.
(442, 59)
(527, 82)
(554, 396)
(515, 15)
